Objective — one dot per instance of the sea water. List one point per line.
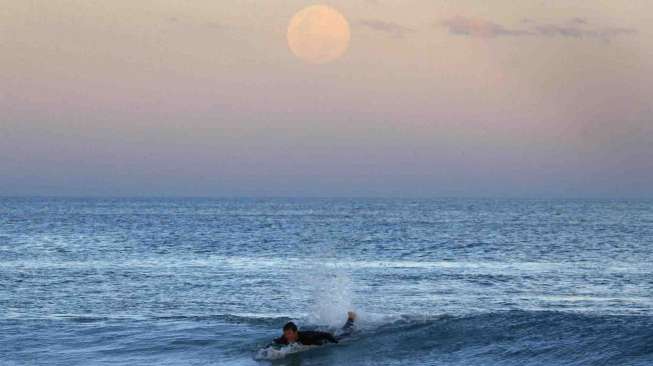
(434, 281)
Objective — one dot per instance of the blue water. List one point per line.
(435, 282)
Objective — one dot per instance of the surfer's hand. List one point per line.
(351, 315)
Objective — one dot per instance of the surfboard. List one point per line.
(277, 352)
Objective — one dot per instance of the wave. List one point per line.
(493, 338)
(501, 338)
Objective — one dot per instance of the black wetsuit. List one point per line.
(316, 338)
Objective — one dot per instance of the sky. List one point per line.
(431, 99)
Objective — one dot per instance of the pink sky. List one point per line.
(469, 98)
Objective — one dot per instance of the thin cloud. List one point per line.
(390, 28)
(578, 20)
(605, 33)
(478, 27)
(574, 28)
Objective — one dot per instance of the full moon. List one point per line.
(318, 34)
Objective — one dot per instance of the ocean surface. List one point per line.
(435, 282)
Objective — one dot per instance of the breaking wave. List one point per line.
(502, 338)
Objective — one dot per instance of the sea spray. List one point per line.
(332, 297)
(330, 289)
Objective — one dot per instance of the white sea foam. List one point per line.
(273, 353)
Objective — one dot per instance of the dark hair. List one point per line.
(291, 326)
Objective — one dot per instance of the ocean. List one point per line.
(434, 281)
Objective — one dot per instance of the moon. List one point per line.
(318, 34)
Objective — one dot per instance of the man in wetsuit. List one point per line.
(312, 337)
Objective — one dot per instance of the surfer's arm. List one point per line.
(349, 324)
(348, 328)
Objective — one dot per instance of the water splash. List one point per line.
(332, 298)
(330, 289)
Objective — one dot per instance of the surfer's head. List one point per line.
(290, 332)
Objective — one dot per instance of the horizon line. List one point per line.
(389, 197)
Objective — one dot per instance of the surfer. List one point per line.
(312, 337)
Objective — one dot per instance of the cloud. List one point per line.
(393, 29)
(578, 20)
(478, 27)
(605, 33)
(574, 28)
